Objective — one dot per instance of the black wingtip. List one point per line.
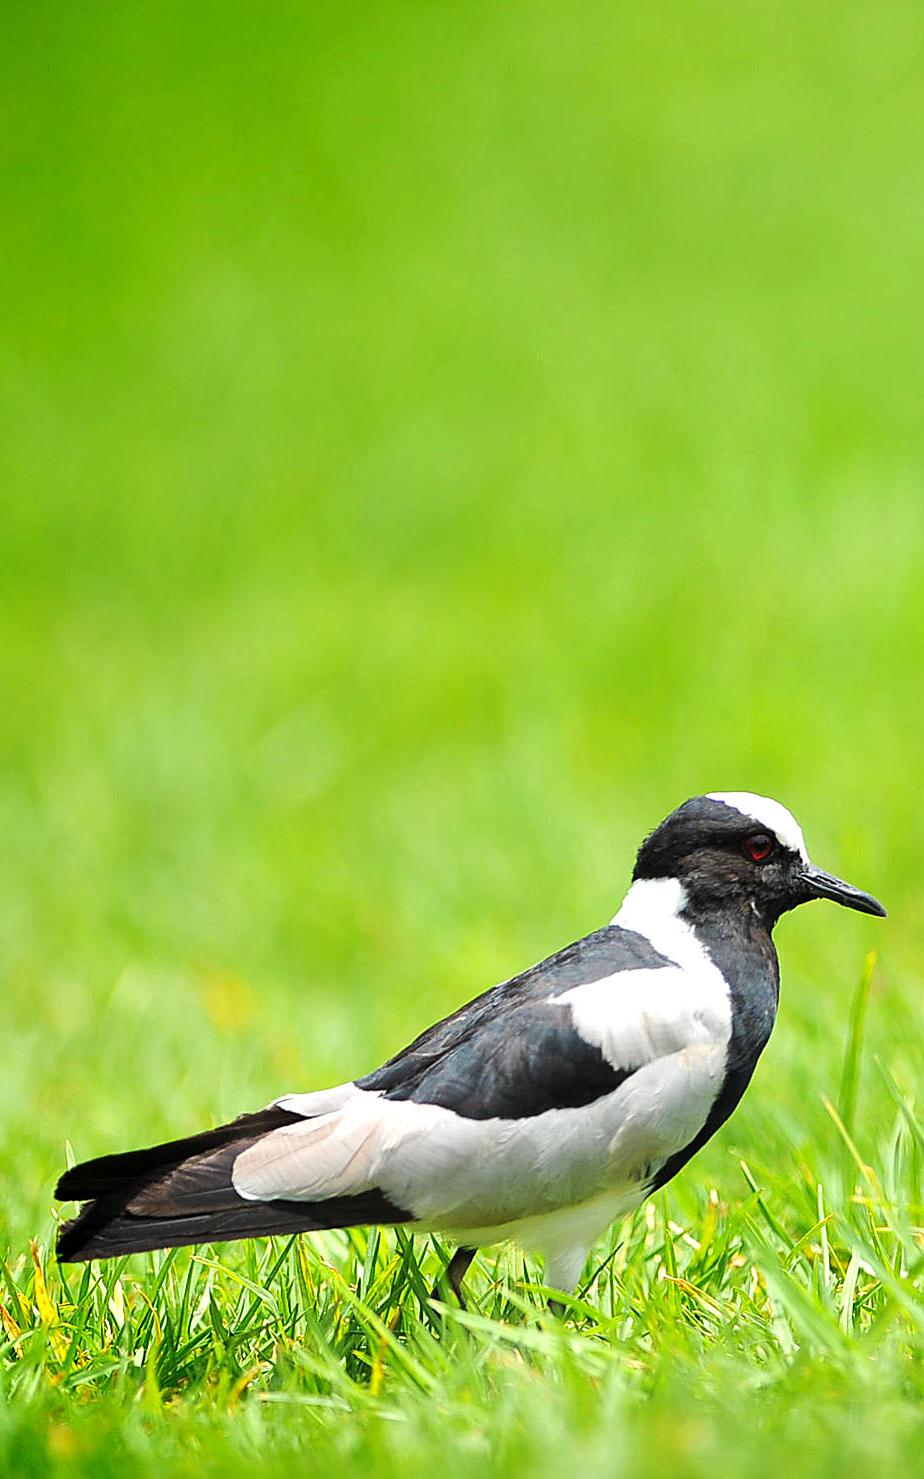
(106, 1174)
(69, 1244)
(67, 1189)
(96, 1178)
(75, 1238)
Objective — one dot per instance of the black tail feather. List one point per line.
(103, 1231)
(181, 1193)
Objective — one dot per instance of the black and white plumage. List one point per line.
(543, 1109)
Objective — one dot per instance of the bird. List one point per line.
(541, 1111)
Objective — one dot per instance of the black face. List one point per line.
(725, 859)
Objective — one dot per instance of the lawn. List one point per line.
(437, 440)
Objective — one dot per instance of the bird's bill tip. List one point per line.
(822, 885)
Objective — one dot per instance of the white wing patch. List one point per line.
(322, 1101)
(636, 1017)
(767, 813)
(407, 1150)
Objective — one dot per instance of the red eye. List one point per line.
(759, 847)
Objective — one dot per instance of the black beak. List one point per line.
(825, 886)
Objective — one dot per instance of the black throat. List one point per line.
(739, 944)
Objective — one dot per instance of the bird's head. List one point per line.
(732, 847)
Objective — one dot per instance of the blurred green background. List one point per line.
(437, 440)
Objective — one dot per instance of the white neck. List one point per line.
(652, 908)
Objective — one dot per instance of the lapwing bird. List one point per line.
(541, 1111)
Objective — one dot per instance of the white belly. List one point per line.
(508, 1171)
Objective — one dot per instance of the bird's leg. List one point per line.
(456, 1270)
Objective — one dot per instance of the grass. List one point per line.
(784, 1316)
(437, 441)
